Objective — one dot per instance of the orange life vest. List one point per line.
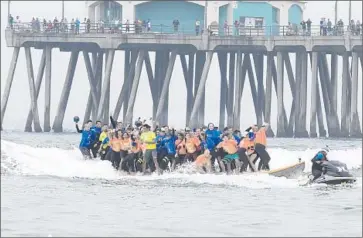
(261, 136)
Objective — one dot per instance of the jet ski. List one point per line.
(334, 172)
(331, 180)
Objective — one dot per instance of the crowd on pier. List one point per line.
(146, 147)
(116, 26)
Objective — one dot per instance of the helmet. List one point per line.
(319, 156)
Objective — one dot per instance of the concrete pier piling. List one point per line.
(281, 123)
(268, 92)
(345, 117)
(355, 130)
(238, 57)
(48, 88)
(32, 89)
(38, 83)
(62, 106)
(314, 102)
(230, 93)
(222, 60)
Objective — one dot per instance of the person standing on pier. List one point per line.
(197, 27)
(176, 25)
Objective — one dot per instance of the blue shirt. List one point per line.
(237, 139)
(208, 143)
(159, 143)
(214, 135)
(169, 144)
(86, 139)
(95, 133)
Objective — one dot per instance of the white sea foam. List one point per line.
(28, 160)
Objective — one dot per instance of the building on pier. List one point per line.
(254, 14)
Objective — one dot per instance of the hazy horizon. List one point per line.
(16, 112)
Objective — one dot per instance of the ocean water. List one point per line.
(47, 189)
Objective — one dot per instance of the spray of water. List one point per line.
(28, 160)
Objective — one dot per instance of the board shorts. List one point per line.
(230, 157)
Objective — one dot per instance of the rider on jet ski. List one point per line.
(319, 158)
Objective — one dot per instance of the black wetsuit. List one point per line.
(264, 157)
(316, 170)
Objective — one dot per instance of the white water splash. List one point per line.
(70, 163)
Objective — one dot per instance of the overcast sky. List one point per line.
(19, 101)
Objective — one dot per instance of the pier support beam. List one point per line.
(267, 107)
(34, 104)
(165, 88)
(9, 82)
(58, 121)
(237, 101)
(314, 83)
(355, 130)
(38, 83)
(222, 60)
(95, 82)
(330, 88)
(129, 68)
(188, 71)
(258, 59)
(281, 123)
(134, 56)
(105, 84)
(199, 94)
(230, 96)
(48, 88)
(135, 85)
(251, 78)
(326, 84)
(200, 59)
(301, 89)
(294, 93)
(334, 94)
(164, 67)
(345, 117)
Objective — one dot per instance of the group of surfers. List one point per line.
(141, 148)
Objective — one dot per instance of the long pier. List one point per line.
(237, 56)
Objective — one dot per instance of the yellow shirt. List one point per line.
(149, 139)
(103, 136)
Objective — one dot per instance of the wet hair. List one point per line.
(98, 121)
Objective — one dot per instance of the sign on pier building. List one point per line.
(259, 16)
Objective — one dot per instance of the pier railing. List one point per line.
(221, 30)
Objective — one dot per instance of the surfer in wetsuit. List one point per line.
(84, 145)
(260, 146)
(95, 142)
(246, 148)
(319, 158)
(215, 135)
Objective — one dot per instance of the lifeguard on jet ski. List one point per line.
(329, 171)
